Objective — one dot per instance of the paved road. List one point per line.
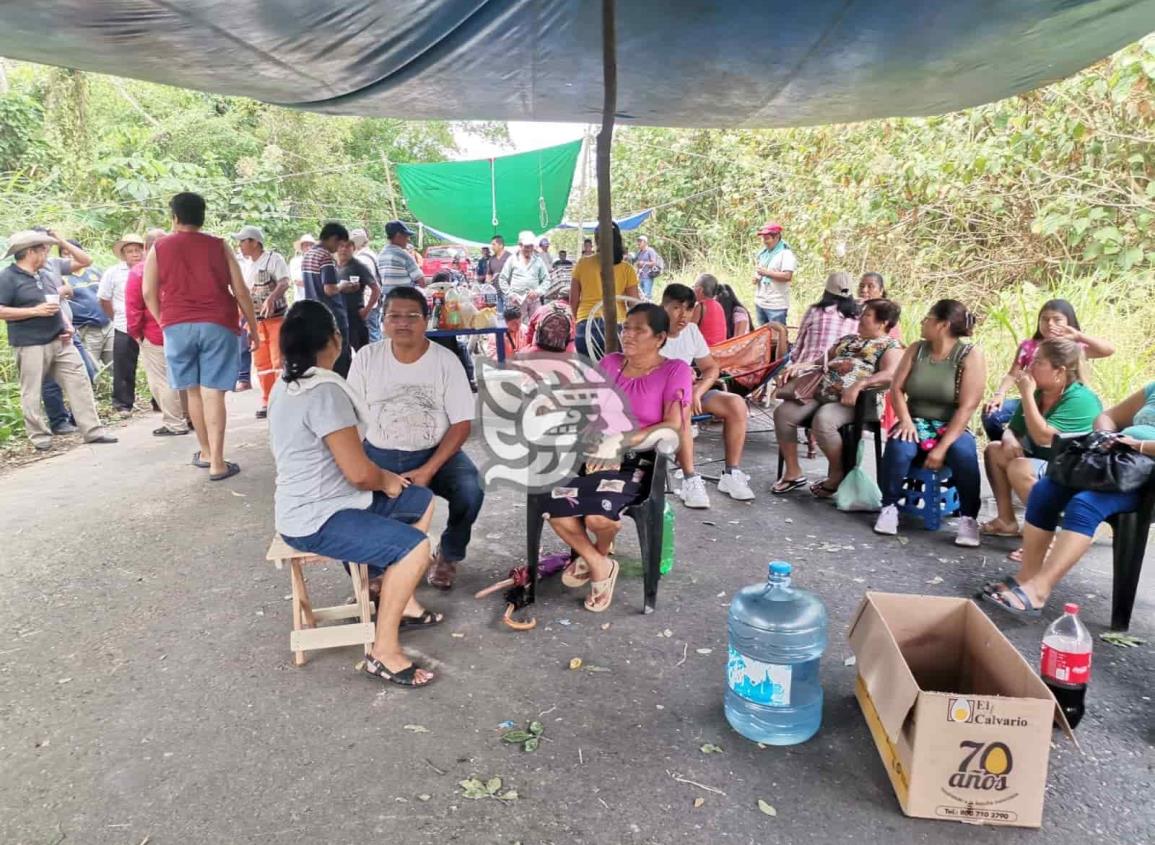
(146, 688)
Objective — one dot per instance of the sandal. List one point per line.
(602, 592)
(406, 677)
(822, 491)
(997, 585)
(1016, 556)
(1000, 600)
(231, 469)
(442, 573)
(787, 485)
(997, 528)
(425, 620)
(197, 462)
(577, 574)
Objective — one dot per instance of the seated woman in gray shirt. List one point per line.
(331, 500)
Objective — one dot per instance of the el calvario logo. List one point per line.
(984, 765)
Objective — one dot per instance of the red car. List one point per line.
(447, 257)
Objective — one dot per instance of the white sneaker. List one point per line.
(694, 493)
(887, 522)
(736, 484)
(674, 481)
(967, 533)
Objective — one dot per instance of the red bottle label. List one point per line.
(1064, 667)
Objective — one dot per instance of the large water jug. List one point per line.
(777, 636)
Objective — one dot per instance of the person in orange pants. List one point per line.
(267, 276)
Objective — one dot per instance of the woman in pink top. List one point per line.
(708, 313)
(1056, 320)
(657, 391)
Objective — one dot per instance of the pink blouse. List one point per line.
(648, 395)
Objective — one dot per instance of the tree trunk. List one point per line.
(605, 206)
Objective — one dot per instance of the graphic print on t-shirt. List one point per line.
(412, 408)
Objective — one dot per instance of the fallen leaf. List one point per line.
(516, 737)
(474, 788)
(509, 795)
(698, 802)
(532, 743)
(536, 728)
(704, 650)
(1121, 640)
(710, 748)
(766, 808)
(493, 785)
(417, 729)
(575, 663)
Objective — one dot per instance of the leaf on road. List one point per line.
(509, 795)
(575, 663)
(766, 808)
(710, 748)
(474, 788)
(1122, 640)
(698, 802)
(536, 728)
(515, 737)
(493, 785)
(417, 729)
(532, 743)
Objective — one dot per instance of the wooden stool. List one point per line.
(306, 635)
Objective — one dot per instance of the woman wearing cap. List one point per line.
(125, 350)
(936, 390)
(585, 291)
(773, 273)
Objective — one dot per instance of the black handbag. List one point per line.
(1098, 461)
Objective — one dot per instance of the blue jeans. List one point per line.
(647, 285)
(962, 458)
(379, 536)
(458, 482)
(373, 324)
(585, 335)
(770, 315)
(1081, 511)
(245, 370)
(995, 423)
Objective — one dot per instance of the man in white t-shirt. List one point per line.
(125, 350)
(773, 273)
(685, 343)
(420, 412)
(365, 254)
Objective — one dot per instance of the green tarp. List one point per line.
(476, 200)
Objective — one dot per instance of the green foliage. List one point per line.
(1002, 206)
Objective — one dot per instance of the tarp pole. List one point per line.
(605, 142)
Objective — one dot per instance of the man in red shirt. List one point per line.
(193, 287)
(146, 331)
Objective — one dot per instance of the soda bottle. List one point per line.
(667, 539)
(777, 636)
(1066, 662)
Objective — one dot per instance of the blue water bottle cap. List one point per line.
(780, 567)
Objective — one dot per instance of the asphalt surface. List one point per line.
(147, 691)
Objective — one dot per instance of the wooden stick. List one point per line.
(500, 585)
(605, 243)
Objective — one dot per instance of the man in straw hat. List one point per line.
(125, 351)
(42, 342)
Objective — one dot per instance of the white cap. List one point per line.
(249, 233)
(526, 238)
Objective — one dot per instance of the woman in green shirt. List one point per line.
(936, 390)
(1055, 401)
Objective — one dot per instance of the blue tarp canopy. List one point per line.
(681, 62)
(626, 224)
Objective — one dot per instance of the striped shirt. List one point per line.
(318, 269)
(820, 328)
(396, 267)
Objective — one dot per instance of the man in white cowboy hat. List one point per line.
(524, 276)
(364, 253)
(302, 245)
(267, 277)
(42, 342)
(125, 351)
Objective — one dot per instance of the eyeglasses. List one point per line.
(404, 318)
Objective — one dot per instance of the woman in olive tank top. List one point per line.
(936, 390)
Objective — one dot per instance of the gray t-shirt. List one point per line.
(310, 485)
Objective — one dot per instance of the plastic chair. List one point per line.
(646, 514)
(929, 495)
(1128, 549)
(865, 419)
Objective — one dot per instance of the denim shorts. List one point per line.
(380, 535)
(201, 355)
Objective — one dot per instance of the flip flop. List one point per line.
(821, 491)
(577, 574)
(406, 677)
(604, 587)
(989, 529)
(197, 462)
(231, 469)
(1027, 611)
(791, 484)
(425, 620)
(997, 584)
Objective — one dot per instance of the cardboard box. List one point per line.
(961, 720)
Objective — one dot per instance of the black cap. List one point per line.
(396, 227)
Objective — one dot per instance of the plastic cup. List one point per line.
(52, 298)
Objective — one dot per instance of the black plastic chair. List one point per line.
(866, 419)
(1128, 549)
(646, 514)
